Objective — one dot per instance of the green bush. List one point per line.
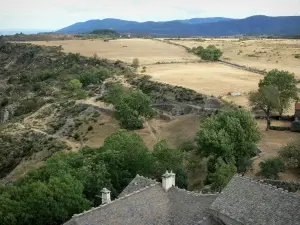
(94, 77)
(297, 56)
(270, 168)
(211, 53)
(74, 85)
(291, 154)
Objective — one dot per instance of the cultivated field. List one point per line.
(146, 50)
(261, 53)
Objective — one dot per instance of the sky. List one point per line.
(56, 14)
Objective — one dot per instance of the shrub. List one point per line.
(90, 128)
(94, 77)
(271, 167)
(76, 136)
(297, 56)
(74, 85)
(135, 63)
(291, 154)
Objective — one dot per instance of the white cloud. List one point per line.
(53, 14)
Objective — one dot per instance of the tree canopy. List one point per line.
(69, 183)
(230, 138)
(211, 53)
(271, 168)
(285, 83)
(132, 109)
(265, 99)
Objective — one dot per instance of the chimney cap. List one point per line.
(166, 174)
(105, 191)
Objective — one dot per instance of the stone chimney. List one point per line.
(173, 178)
(105, 196)
(168, 180)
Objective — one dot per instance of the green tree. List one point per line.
(265, 99)
(198, 50)
(285, 83)
(271, 167)
(128, 117)
(115, 93)
(10, 208)
(132, 109)
(211, 53)
(230, 135)
(290, 154)
(224, 171)
(43, 203)
(86, 168)
(167, 158)
(125, 155)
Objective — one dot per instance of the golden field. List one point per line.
(260, 53)
(146, 50)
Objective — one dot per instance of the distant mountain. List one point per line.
(213, 27)
(204, 20)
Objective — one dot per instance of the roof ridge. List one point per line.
(265, 185)
(196, 193)
(137, 175)
(115, 200)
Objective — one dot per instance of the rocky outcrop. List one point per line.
(7, 112)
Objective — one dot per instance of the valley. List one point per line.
(172, 64)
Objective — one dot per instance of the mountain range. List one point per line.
(215, 26)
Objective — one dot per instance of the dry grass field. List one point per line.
(146, 50)
(261, 53)
(207, 78)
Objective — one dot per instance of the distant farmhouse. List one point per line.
(146, 201)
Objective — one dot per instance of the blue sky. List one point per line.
(55, 14)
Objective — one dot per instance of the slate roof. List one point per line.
(138, 183)
(150, 205)
(251, 202)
